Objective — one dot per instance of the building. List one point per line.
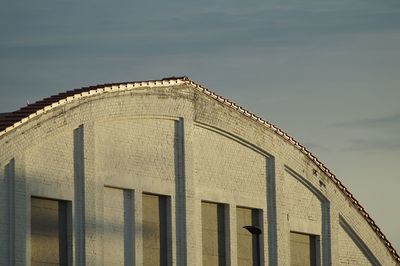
(166, 172)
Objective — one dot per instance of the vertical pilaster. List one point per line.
(129, 251)
(79, 197)
(282, 223)
(271, 224)
(94, 196)
(186, 212)
(326, 233)
(228, 231)
(88, 199)
(171, 230)
(138, 226)
(4, 212)
(199, 236)
(21, 213)
(98, 222)
(7, 228)
(180, 192)
(232, 236)
(334, 233)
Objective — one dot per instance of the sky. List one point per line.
(326, 72)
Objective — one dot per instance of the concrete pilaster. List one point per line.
(79, 198)
(232, 235)
(138, 225)
(7, 211)
(270, 216)
(282, 225)
(22, 213)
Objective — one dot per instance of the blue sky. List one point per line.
(327, 72)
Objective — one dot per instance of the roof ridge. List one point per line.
(14, 119)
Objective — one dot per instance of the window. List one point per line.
(213, 233)
(50, 234)
(248, 245)
(155, 230)
(304, 249)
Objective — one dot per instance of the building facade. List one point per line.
(166, 172)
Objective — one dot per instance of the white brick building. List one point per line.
(167, 172)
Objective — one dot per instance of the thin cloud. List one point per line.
(316, 147)
(384, 121)
(373, 145)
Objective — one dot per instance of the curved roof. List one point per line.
(10, 121)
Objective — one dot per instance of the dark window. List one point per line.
(303, 249)
(155, 230)
(213, 233)
(247, 244)
(49, 232)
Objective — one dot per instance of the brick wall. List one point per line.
(178, 142)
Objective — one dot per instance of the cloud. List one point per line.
(316, 147)
(376, 134)
(197, 29)
(373, 145)
(392, 120)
